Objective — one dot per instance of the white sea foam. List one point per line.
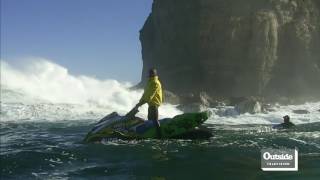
(45, 90)
(228, 115)
(42, 90)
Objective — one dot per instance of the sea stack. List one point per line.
(234, 48)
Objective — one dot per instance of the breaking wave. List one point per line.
(42, 89)
(46, 112)
(229, 115)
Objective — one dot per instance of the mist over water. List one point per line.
(43, 90)
(46, 112)
(45, 87)
(43, 79)
(229, 115)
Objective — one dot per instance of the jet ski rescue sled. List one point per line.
(128, 127)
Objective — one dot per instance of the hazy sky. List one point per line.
(89, 37)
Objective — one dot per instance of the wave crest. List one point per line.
(41, 81)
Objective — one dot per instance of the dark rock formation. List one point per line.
(192, 107)
(251, 106)
(234, 48)
(301, 111)
(170, 97)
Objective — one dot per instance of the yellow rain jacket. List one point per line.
(152, 92)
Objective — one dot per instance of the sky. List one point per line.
(98, 38)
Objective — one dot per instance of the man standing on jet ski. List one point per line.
(153, 96)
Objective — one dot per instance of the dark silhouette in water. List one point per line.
(286, 123)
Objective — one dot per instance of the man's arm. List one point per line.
(148, 94)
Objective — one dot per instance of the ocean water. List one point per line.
(46, 112)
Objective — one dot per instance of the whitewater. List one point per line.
(46, 112)
(43, 90)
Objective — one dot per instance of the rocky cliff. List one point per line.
(234, 48)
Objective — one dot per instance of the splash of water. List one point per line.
(229, 115)
(44, 89)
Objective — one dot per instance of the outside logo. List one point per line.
(279, 159)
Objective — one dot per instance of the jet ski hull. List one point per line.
(184, 126)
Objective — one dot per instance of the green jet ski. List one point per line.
(129, 127)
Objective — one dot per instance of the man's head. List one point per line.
(286, 119)
(152, 72)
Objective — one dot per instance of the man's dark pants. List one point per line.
(153, 114)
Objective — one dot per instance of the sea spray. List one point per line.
(41, 134)
(43, 89)
(227, 115)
